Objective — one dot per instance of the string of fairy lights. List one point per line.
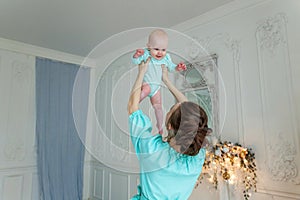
(233, 164)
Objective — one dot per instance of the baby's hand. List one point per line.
(181, 67)
(138, 53)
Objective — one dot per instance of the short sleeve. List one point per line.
(138, 60)
(170, 65)
(140, 128)
(139, 124)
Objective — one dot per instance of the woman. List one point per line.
(168, 170)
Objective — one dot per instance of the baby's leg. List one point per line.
(156, 103)
(145, 91)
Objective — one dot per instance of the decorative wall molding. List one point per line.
(110, 145)
(280, 136)
(15, 182)
(282, 160)
(120, 140)
(28, 49)
(233, 45)
(18, 164)
(201, 79)
(218, 13)
(20, 84)
(122, 180)
(18, 183)
(106, 183)
(98, 183)
(17, 86)
(271, 33)
(15, 150)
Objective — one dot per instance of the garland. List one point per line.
(232, 163)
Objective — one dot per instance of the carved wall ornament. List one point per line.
(271, 33)
(192, 49)
(204, 45)
(281, 163)
(233, 46)
(199, 47)
(19, 72)
(14, 150)
(98, 147)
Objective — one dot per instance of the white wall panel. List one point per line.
(110, 184)
(278, 101)
(34, 187)
(13, 187)
(99, 183)
(118, 186)
(18, 173)
(17, 124)
(17, 127)
(260, 70)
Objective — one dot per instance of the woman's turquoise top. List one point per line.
(164, 173)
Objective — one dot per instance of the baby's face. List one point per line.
(158, 47)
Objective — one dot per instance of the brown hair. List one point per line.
(189, 127)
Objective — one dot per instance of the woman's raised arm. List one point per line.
(134, 99)
(176, 93)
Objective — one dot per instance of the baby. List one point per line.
(157, 50)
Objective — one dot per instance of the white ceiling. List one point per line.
(77, 26)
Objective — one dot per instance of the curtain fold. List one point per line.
(60, 151)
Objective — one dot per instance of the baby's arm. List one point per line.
(181, 67)
(171, 66)
(139, 56)
(138, 53)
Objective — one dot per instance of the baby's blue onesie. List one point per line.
(154, 73)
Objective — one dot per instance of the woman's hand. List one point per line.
(143, 66)
(165, 76)
(176, 93)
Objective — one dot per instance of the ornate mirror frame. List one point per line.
(200, 84)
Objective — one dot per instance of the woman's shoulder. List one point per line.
(136, 113)
(138, 118)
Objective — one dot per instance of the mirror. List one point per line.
(200, 85)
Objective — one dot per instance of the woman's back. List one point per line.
(164, 173)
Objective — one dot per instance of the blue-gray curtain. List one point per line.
(60, 152)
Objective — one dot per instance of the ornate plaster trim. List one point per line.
(282, 163)
(233, 45)
(271, 33)
(271, 36)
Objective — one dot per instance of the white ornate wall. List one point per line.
(18, 174)
(18, 169)
(257, 43)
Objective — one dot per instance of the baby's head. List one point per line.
(158, 44)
